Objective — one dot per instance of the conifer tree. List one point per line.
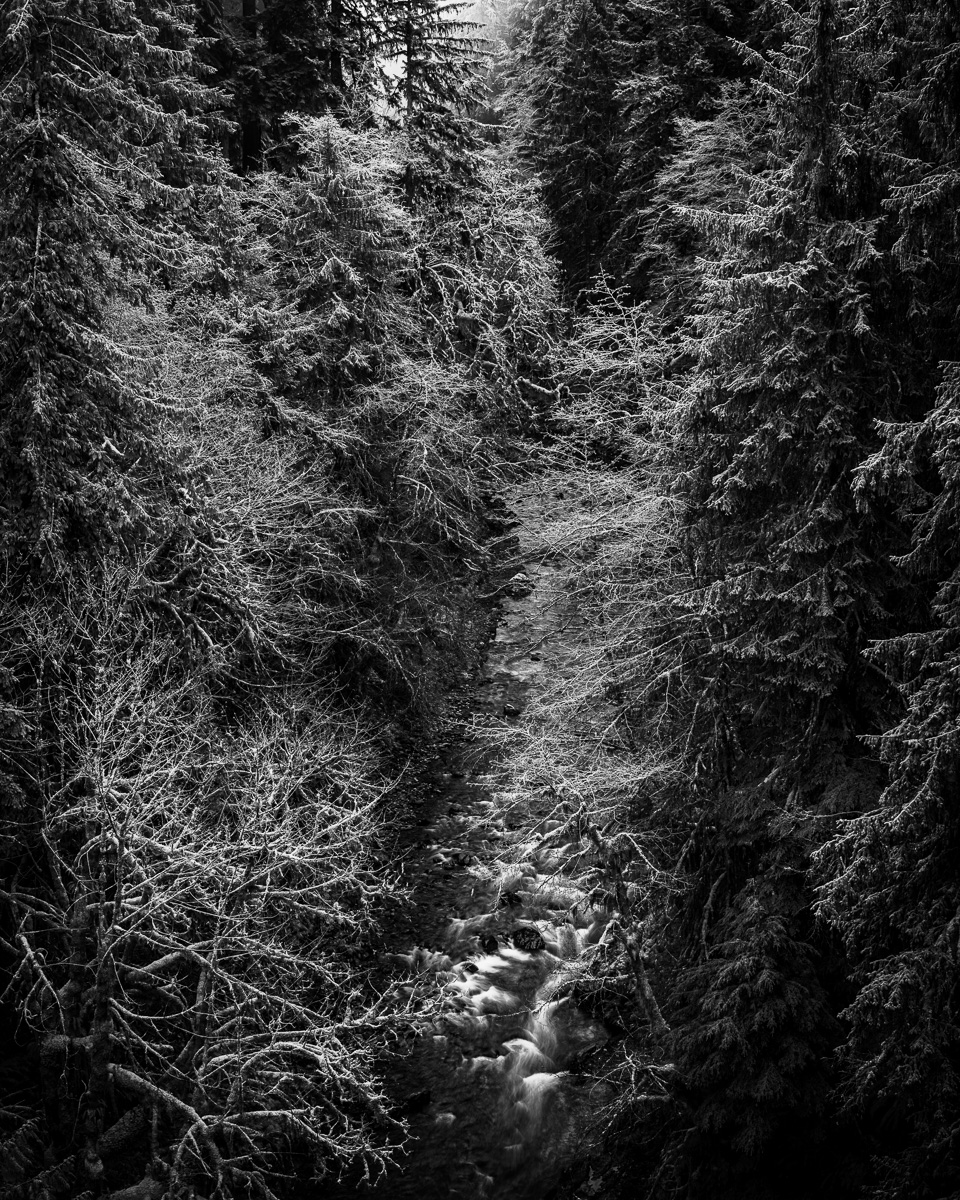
(790, 577)
(891, 884)
(392, 351)
(673, 61)
(298, 56)
(795, 204)
(754, 1050)
(308, 53)
(432, 83)
(102, 119)
(566, 82)
(891, 881)
(790, 379)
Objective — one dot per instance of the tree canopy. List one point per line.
(291, 295)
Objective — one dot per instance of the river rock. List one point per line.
(529, 939)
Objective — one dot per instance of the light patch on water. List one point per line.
(504, 1088)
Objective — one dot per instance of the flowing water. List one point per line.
(497, 1096)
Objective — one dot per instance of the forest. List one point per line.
(321, 321)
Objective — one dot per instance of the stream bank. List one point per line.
(497, 1088)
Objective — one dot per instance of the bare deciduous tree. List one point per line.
(183, 919)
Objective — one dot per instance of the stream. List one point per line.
(497, 1097)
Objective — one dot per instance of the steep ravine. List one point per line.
(497, 1089)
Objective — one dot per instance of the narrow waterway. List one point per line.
(499, 1093)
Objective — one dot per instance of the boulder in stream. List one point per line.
(529, 939)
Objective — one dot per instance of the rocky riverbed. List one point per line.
(497, 1088)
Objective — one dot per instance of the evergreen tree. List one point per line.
(598, 95)
(298, 56)
(754, 1049)
(102, 120)
(565, 77)
(892, 885)
(790, 578)
(432, 82)
(674, 60)
(309, 52)
(790, 379)
(394, 351)
(891, 881)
